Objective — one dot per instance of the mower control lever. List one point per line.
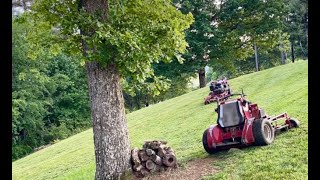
(238, 94)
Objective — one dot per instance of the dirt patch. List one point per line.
(193, 170)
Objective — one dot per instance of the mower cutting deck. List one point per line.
(241, 123)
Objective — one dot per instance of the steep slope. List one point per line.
(182, 120)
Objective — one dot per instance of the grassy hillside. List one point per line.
(182, 120)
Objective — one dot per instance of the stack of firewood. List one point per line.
(155, 156)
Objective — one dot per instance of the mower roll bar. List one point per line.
(242, 94)
(236, 94)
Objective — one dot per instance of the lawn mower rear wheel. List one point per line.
(263, 132)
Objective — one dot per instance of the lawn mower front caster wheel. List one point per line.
(263, 132)
(205, 144)
(294, 123)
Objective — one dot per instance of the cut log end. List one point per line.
(156, 159)
(161, 151)
(169, 160)
(135, 157)
(143, 155)
(137, 167)
(150, 152)
(144, 172)
(156, 168)
(150, 164)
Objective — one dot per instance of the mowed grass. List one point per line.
(182, 120)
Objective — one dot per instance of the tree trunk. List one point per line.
(256, 56)
(302, 49)
(137, 100)
(111, 141)
(292, 53)
(146, 100)
(283, 56)
(202, 77)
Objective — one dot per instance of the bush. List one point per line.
(59, 132)
(20, 150)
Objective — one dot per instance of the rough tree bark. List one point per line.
(111, 140)
(202, 77)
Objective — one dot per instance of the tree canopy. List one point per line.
(135, 34)
(117, 40)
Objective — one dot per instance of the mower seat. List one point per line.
(230, 114)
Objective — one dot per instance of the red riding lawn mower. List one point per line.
(242, 123)
(219, 89)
